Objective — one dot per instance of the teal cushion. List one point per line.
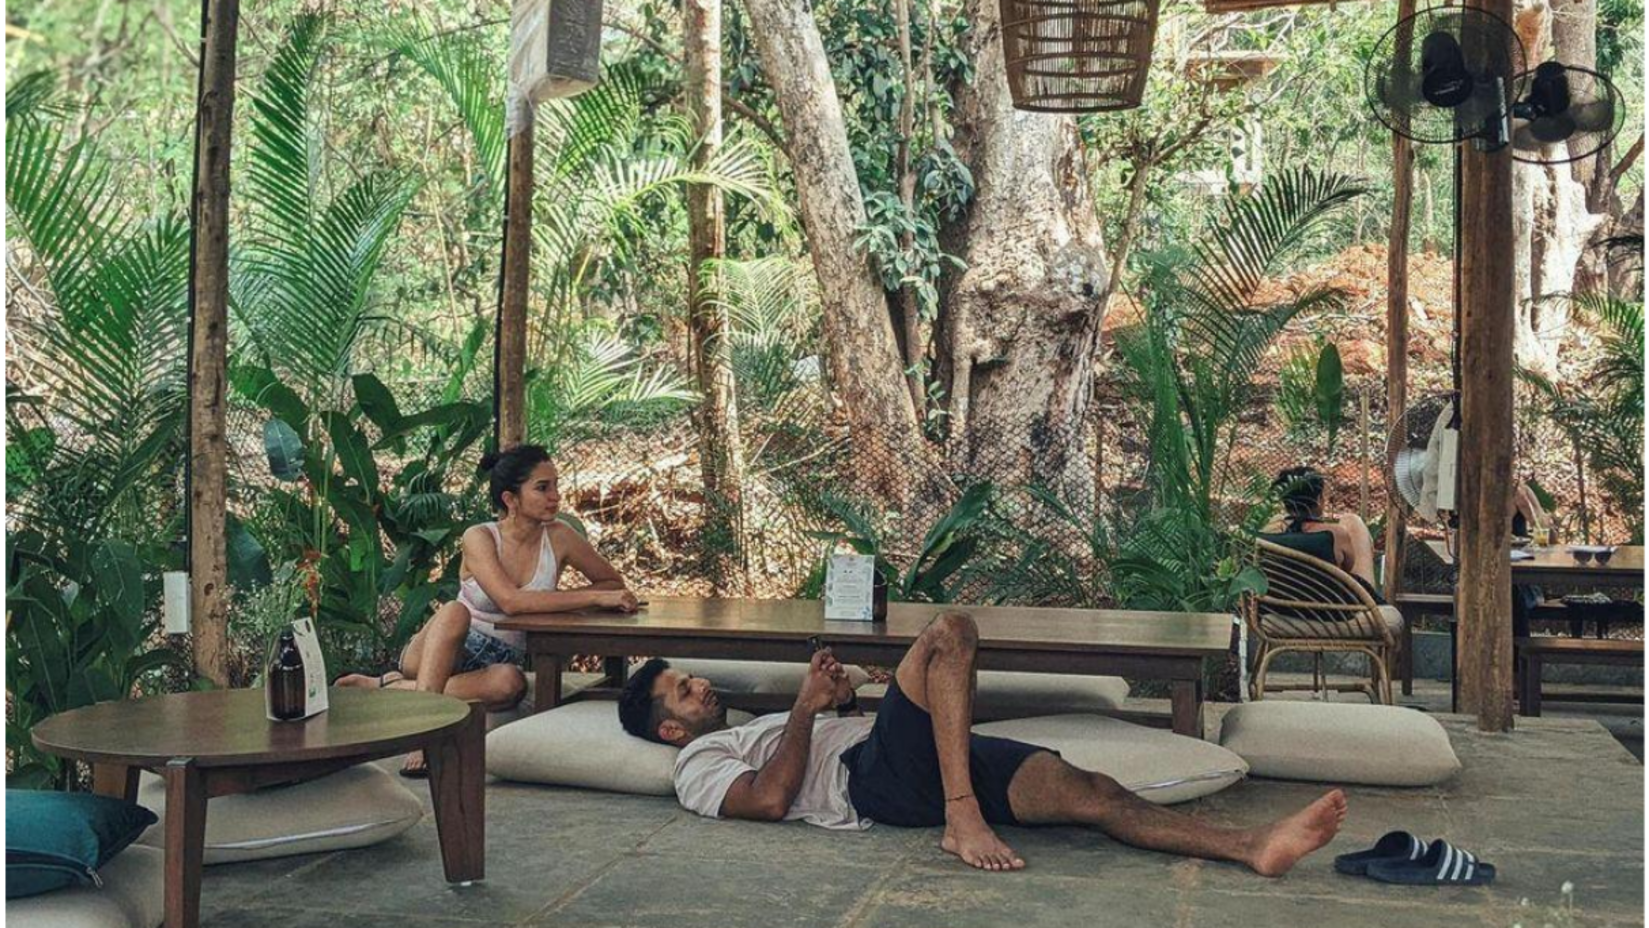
(55, 839)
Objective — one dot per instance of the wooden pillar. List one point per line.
(510, 351)
(1484, 600)
(209, 341)
(1397, 332)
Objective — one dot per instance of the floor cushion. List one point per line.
(56, 839)
(1340, 743)
(1160, 766)
(757, 676)
(1018, 694)
(582, 744)
(571, 685)
(356, 807)
(133, 895)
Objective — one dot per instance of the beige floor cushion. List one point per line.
(1159, 765)
(582, 744)
(351, 808)
(1017, 694)
(1340, 743)
(133, 895)
(571, 685)
(757, 676)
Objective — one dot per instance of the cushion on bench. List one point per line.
(1340, 743)
(571, 685)
(757, 676)
(351, 808)
(1160, 766)
(133, 895)
(1012, 693)
(582, 744)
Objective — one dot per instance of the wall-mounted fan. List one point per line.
(1442, 76)
(1453, 74)
(1566, 114)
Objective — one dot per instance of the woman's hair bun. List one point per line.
(489, 460)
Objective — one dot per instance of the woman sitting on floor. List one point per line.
(1301, 493)
(510, 567)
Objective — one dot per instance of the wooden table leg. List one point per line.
(1187, 707)
(546, 670)
(457, 775)
(1532, 667)
(115, 781)
(185, 842)
(1408, 655)
(616, 669)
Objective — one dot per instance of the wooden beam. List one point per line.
(208, 475)
(510, 353)
(1397, 337)
(1485, 473)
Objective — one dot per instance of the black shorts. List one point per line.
(893, 776)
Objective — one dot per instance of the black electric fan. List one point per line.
(1565, 114)
(1446, 74)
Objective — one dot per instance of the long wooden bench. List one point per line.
(1534, 653)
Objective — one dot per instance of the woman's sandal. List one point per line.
(1443, 864)
(1393, 847)
(420, 772)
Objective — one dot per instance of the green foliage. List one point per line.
(941, 564)
(1188, 372)
(1310, 396)
(1601, 409)
(80, 622)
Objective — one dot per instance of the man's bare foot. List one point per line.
(972, 840)
(1280, 846)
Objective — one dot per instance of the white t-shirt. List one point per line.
(706, 769)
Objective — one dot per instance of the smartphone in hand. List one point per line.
(815, 644)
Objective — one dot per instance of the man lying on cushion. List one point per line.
(919, 765)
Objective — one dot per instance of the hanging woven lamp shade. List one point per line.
(1077, 56)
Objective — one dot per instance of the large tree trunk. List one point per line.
(209, 343)
(721, 451)
(865, 367)
(1021, 322)
(1552, 224)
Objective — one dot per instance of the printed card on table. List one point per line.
(314, 666)
(850, 581)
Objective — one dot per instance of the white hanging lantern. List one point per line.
(555, 48)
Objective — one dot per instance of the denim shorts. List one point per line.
(482, 650)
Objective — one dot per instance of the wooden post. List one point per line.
(1397, 332)
(1362, 455)
(721, 445)
(1484, 598)
(509, 371)
(209, 341)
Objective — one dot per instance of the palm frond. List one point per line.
(470, 78)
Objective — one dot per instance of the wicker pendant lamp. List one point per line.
(1077, 56)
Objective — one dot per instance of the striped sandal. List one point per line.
(1443, 864)
(1393, 847)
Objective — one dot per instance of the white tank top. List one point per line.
(484, 612)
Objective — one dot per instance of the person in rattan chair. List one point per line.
(1300, 490)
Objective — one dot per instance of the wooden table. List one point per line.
(1553, 565)
(1556, 566)
(219, 743)
(1144, 645)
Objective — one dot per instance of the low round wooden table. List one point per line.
(220, 743)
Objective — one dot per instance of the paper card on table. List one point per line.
(314, 667)
(850, 581)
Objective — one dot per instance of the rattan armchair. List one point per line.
(1313, 606)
